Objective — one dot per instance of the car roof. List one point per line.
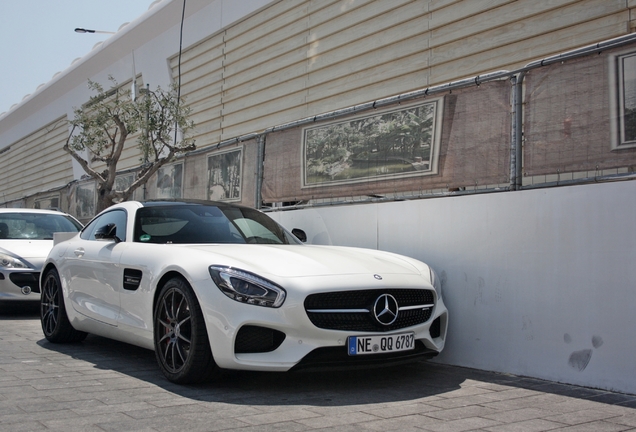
(169, 202)
(30, 210)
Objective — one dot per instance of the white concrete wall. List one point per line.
(539, 283)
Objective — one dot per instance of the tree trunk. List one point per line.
(104, 199)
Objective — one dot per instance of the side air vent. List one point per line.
(132, 279)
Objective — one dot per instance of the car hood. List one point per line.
(309, 261)
(34, 251)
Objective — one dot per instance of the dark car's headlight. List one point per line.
(9, 261)
(245, 287)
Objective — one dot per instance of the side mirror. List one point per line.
(107, 232)
(300, 234)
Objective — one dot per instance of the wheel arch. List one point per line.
(54, 318)
(204, 365)
(45, 270)
(164, 279)
(48, 267)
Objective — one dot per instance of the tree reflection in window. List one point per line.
(627, 93)
(392, 143)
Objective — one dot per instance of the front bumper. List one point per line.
(337, 358)
(19, 285)
(295, 341)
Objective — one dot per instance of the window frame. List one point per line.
(88, 233)
(435, 130)
(211, 158)
(617, 98)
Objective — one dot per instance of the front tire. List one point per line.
(55, 324)
(181, 341)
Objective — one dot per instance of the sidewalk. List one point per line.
(102, 385)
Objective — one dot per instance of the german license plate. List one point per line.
(359, 345)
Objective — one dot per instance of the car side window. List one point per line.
(118, 217)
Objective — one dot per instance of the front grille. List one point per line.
(363, 320)
(254, 339)
(29, 279)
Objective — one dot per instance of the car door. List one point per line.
(93, 272)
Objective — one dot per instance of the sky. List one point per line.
(37, 38)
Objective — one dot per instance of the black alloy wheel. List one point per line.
(182, 347)
(55, 324)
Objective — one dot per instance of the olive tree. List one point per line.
(102, 127)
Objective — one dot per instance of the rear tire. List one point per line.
(55, 324)
(181, 341)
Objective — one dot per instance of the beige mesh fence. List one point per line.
(572, 114)
(579, 121)
(465, 143)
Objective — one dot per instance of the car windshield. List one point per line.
(35, 226)
(198, 223)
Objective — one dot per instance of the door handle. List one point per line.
(79, 252)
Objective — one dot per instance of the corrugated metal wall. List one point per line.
(36, 163)
(299, 58)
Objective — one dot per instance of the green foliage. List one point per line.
(161, 114)
(96, 120)
(101, 130)
(110, 116)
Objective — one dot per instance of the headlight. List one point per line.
(9, 261)
(436, 282)
(245, 287)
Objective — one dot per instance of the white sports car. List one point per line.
(209, 286)
(26, 238)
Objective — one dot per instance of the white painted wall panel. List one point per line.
(538, 283)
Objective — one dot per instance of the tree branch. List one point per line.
(119, 147)
(83, 163)
(110, 121)
(150, 172)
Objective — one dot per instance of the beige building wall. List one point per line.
(36, 163)
(300, 58)
(295, 59)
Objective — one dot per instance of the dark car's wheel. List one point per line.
(182, 347)
(55, 323)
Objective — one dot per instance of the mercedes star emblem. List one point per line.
(385, 309)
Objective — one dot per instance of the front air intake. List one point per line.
(24, 279)
(255, 339)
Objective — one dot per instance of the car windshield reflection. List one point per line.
(30, 226)
(186, 224)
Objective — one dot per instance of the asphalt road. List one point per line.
(102, 385)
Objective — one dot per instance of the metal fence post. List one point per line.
(258, 196)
